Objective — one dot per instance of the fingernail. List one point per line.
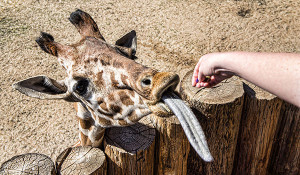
(197, 80)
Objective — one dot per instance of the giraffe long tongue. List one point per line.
(190, 125)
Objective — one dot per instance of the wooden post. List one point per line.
(258, 124)
(81, 160)
(130, 150)
(172, 146)
(221, 107)
(285, 158)
(31, 163)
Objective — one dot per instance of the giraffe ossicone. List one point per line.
(108, 87)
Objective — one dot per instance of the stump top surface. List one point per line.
(131, 139)
(80, 160)
(225, 92)
(257, 92)
(31, 163)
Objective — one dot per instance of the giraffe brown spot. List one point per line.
(85, 124)
(115, 108)
(100, 135)
(83, 139)
(99, 100)
(95, 59)
(106, 113)
(133, 116)
(113, 80)
(123, 123)
(104, 122)
(125, 99)
(98, 139)
(141, 102)
(111, 97)
(124, 79)
(99, 79)
(104, 63)
(103, 107)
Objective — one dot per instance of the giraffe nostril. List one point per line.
(146, 82)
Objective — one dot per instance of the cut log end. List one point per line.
(31, 163)
(225, 92)
(256, 92)
(131, 139)
(81, 160)
(130, 150)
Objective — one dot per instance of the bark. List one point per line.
(172, 146)
(285, 158)
(219, 112)
(130, 150)
(258, 124)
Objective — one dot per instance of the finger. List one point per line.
(195, 74)
(205, 84)
(209, 83)
(201, 77)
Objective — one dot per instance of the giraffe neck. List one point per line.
(120, 109)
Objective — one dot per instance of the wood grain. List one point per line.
(258, 124)
(130, 150)
(81, 160)
(219, 112)
(31, 163)
(172, 146)
(285, 158)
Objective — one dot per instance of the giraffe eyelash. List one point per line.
(81, 87)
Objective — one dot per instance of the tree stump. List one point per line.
(172, 146)
(285, 158)
(31, 163)
(81, 160)
(130, 150)
(221, 109)
(258, 124)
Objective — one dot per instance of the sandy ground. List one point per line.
(172, 35)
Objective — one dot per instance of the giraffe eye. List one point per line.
(146, 82)
(81, 86)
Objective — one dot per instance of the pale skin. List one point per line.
(278, 73)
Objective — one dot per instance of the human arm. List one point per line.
(278, 73)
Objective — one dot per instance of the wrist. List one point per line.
(223, 61)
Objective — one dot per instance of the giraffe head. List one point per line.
(109, 85)
(110, 88)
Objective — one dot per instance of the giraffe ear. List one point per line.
(128, 44)
(85, 24)
(47, 44)
(42, 87)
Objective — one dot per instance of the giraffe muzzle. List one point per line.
(162, 82)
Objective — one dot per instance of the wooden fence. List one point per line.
(249, 131)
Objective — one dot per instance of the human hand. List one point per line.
(210, 65)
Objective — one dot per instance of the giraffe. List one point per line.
(108, 87)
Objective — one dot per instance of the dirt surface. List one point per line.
(172, 35)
